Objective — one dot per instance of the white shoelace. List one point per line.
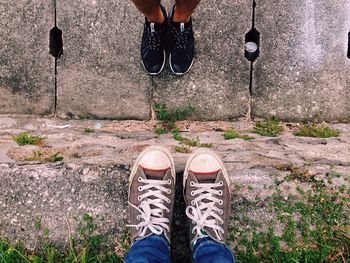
(203, 207)
(152, 218)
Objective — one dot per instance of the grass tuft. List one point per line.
(190, 142)
(270, 127)
(180, 113)
(182, 149)
(159, 131)
(232, 134)
(88, 130)
(45, 156)
(317, 131)
(25, 139)
(168, 118)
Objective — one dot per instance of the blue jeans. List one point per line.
(155, 249)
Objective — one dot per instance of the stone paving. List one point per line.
(300, 74)
(93, 176)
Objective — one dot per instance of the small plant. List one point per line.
(180, 113)
(88, 130)
(37, 223)
(270, 127)
(24, 139)
(55, 157)
(301, 174)
(232, 134)
(182, 149)
(123, 243)
(190, 142)
(237, 186)
(168, 118)
(159, 131)
(45, 156)
(317, 131)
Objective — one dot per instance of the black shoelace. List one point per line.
(181, 38)
(153, 39)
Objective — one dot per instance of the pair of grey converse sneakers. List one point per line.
(152, 192)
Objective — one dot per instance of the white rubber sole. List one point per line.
(204, 151)
(160, 71)
(145, 151)
(179, 74)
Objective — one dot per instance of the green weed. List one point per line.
(45, 156)
(159, 131)
(180, 113)
(270, 127)
(189, 142)
(55, 157)
(88, 130)
(168, 118)
(24, 139)
(37, 223)
(232, 134)
(317, 131)
(182, 149)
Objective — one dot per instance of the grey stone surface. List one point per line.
(26, 68)
(58, 196)
(100, 72)
(303, 71)
(218, 83)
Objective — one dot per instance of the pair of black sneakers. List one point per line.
(169, 37)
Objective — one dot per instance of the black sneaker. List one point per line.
(153, 45)
(181, 46)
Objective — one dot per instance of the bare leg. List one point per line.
(184, 9)
(151, 9)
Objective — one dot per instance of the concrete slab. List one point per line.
(100, 74)
(218, 83)
(303, 71)
(26, 68)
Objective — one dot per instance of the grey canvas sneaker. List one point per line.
(207, 196)
(151, 193)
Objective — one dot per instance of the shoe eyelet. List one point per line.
(193, 203)
(192, 183)
(221, 202)
(221, 183)
(139, 198)
(169, 192)
(221, 211)
(168, 201)
(169, 182)
(192, 193)
(140, 188)
(220, 193)
(138, 217)
(139, 179)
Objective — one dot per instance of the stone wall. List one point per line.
(302, 72)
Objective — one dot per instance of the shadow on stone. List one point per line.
(180, 241)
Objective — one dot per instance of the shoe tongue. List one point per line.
(209, 177)
(155, 174)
